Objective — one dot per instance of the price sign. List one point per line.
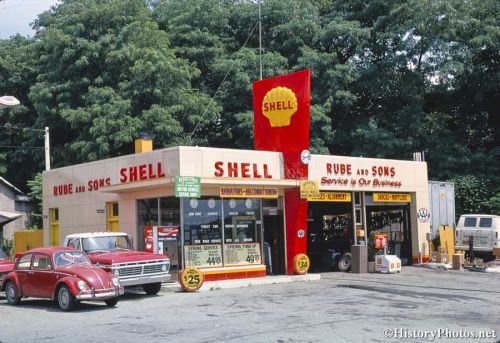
(191, 279)
(301, 264)
(204, 255)
(241, 254)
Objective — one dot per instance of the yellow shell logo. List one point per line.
(279, 105)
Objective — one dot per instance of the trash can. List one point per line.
(359, 262)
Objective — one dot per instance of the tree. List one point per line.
(388, 78)
(471, 195)
(106, 73)
(36, 193)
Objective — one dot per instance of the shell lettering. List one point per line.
(279, 105)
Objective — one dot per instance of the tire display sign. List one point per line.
(301, 264)
(191, 279)
(187, 187)
(203, 255)
(242, 254)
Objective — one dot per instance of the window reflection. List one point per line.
(203, 221)
(240, 216)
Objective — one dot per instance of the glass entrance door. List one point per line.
(393, 221)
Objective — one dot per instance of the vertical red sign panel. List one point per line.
(281, 118)
(281, 123)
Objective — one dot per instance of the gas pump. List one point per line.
(163, 240)
(385, 263)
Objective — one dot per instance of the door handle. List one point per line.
(31, 273)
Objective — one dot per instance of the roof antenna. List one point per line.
(260, 41)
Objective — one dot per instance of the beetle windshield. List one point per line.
(106, 243)
(70, 257)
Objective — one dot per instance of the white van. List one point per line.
(485, 229)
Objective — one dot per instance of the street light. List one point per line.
(7, 101)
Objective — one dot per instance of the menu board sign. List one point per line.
(242, 254)
(206, 255)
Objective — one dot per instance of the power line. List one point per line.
(220, 86)
(19, 128)
(21, 147)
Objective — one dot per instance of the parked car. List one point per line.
(484, 229)
(61, 274)
(6, 266)
(114, 252)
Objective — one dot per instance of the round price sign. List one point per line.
(301, 264)
(191, 279)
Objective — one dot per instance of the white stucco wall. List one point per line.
(84, 208)
(378, 175)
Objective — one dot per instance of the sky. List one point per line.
(16, 16)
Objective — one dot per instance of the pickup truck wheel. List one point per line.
(344, 264)
(111, 302)
(65, 299)
(152, 288)
(12, 294)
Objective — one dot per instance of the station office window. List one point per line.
(202, 221)
(240, 218)
(221, 232)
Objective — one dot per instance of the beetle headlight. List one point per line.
(116, 272)
(82, 285)
(115, 282)
(164, 268)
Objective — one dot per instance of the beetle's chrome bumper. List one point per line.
(143, 280)
(92, 294)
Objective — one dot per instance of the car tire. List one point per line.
(344, 263)
(12, 294)
(111, 302)
(152, 288)
(65, 299)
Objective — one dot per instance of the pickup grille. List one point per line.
(141, 268)
(152, 269)
(130, 271)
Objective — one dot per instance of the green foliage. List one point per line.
(36, 193)
(388, 78)
(8, 247)
(471, 195)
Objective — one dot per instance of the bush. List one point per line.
(8, 247)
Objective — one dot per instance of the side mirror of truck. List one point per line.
(131, 240)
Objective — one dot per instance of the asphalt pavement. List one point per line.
(418, 305)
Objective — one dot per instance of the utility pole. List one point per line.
(260, 41)
(47, 148)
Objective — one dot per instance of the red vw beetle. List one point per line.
(62, 274)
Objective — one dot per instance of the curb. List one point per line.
(226, 284)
